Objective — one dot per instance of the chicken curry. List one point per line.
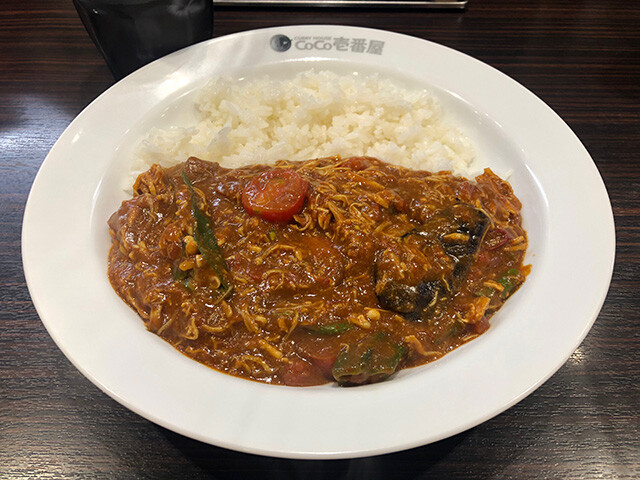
(327, 270)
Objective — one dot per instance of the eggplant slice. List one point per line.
(457, 232)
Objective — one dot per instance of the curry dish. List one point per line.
(328, 270)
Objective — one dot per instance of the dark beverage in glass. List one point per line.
(132, 33)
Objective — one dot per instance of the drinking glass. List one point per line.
(132, 33)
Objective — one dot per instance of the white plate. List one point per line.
(566, 212)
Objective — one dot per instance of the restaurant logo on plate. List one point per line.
(282, 43)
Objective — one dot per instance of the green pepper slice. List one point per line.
(371, 360)
(207, 243)
(509, 281)
(330, 329)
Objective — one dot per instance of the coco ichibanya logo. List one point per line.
(282, 43)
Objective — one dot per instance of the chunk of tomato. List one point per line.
(275, 195)
(301, 374)
(356, 163)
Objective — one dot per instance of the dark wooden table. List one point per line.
(581, 57)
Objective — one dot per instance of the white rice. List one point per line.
(312, 115)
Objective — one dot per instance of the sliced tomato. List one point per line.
(302, 374)
(481, 326)
(324, 362)
(496, 238)
(275, 195)
(356, 163)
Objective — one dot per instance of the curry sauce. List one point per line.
(378, 268)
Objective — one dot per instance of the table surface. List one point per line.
(581, 57)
